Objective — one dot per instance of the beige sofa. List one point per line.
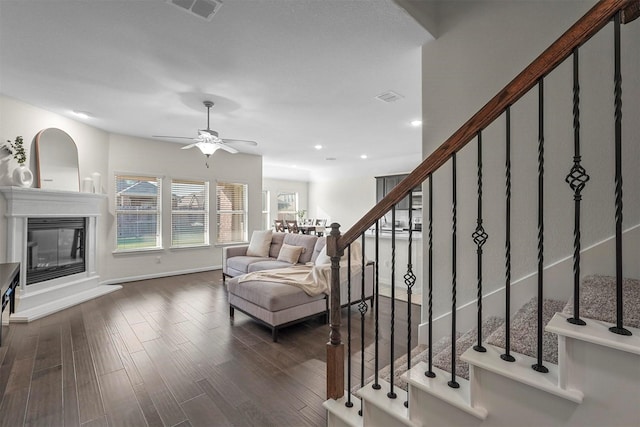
(277, 305)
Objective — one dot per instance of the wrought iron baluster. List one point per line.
(376, 384)
(538, 366)
(619, 328)
(409, 281)
(577, 179)
(506, 356)
(429, 373)
(454, 229)
(349, 403)
(479, 238)
(362, 307)
(392, 394)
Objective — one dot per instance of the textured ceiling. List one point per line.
(287, 74)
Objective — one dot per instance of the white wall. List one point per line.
(343, 201)
(482, 46)
(99, 151)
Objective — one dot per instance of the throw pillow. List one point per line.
(290, 253)
(323, 258)
(260, 243)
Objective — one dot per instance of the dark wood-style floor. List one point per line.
(163, 352)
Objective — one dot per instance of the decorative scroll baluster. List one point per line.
(349, 403)
(376, 384)
(506, 356)
(454, 229)
(429, 373)
(362, 307)
(538, 366)
(619, 328)
(479, 238)
(391, 394)
(409, 280)
(577, 179)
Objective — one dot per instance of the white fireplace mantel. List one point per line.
(44, 298)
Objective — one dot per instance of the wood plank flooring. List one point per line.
(163, 352)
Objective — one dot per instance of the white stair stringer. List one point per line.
(381, 411)
(339, 415)
(428, 394)
(520, 371)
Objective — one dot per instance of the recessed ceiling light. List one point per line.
(318, 147)
(416, 123)
(363, 156)
(81, 114)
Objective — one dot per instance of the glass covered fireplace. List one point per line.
(55, 248)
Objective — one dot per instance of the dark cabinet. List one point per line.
(384, 184)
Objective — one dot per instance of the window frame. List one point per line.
(174, 213)
(245, 213)
(266, 202)
(117, 176)
(283, 213)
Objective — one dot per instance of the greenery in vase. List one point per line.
(301, 213)
(17, 149)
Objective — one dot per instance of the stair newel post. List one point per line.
(349, 403)
(619, 328)
(429, 373)
(409, 281)
(391, 394)
(507, 357)
(362, 307)
(479, 238)
(335, 347)
(577, 178)
(454, 231)
(538, 366)
(376, 384)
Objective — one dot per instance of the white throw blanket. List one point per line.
(313, 279)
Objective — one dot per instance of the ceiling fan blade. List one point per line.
(172, 137)
(240, 142)
(228, 148)
(189, 146)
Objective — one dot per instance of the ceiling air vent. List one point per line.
(204, 9)
(389, 96)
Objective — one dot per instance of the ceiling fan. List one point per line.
(209, 141)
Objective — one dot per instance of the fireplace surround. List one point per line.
(35, 205)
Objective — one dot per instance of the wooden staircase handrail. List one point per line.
(594, 20)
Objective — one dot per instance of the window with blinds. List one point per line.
(138, 213)
(189, 213)
(231, 212)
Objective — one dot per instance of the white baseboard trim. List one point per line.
(159, 275)
(598, 258)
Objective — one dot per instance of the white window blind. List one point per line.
(138, 213)
(189, 213)
(231, 212)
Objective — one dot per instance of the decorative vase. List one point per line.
(22, 176)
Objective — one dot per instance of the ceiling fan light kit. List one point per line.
(209, 141)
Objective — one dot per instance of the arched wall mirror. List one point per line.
(57, 158)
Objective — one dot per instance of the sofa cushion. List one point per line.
(276, 244)
(290, 253)
(270, 295)
(260, 243)
(267, 265)
(320, 244)
(307, 241)
(241, 263)
(322, 257)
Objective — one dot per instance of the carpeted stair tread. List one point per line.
(524, 331)
(598, 300)
(443, 359)
(418, 354)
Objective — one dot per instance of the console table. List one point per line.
(9, 280)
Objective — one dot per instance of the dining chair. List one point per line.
(279, 225)
(292, 226)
